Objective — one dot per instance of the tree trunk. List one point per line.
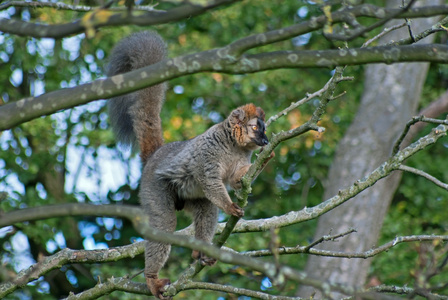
(390, 98)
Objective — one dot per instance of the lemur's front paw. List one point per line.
(235, 210)
(203, 259)
(158, 286)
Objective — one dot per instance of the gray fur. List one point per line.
(193, 174)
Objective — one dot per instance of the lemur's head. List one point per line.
(248, 127)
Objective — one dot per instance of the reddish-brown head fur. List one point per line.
(249, 111)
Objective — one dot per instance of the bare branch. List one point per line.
(15, 113)
(70, 209)
(411, 122)
(65, 6)
(140, 221)
(302, 101)
(344, 195)
(383, 33)
(425, 175)
(69, 256)
(353, 34)
(234, 290)
(237, 48)
(326, 238)
(366, 254)
(290, 218)
(186, 10)
(269, 269)
(439, 26)
(126, 285)
(433, 110)
(401, 291)
(141, 224)
(112, 284)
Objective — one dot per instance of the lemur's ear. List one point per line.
(238, 116)
(260, 113)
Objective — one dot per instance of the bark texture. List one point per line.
(390, 99)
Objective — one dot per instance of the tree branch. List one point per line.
(401, 291)
(70, 209)
(383, 33)
(302, 101)
(112, 284)
(439, 26)
(344, 195)
(69, 256)
(132, 212)
(23, 28)
(353, 34)
(326, 238)
(366, 254)
(140, 221)
(187, 10)
(278, 273)
(15, 113)
(141, 224)
(234, 290)
(65, 6)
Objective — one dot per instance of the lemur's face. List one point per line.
(256, 132)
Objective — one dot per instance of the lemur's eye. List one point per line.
(254, 127)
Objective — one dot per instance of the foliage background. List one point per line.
(71, 156)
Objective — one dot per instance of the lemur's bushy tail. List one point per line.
(135, 117)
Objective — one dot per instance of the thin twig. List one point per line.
(304, 100)
(326, 238)
(425, 175)
(439, 26)
(408, 23)
(383, 33)
(359, 32)
(412, 122)
(405, 132)
(433, 110)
